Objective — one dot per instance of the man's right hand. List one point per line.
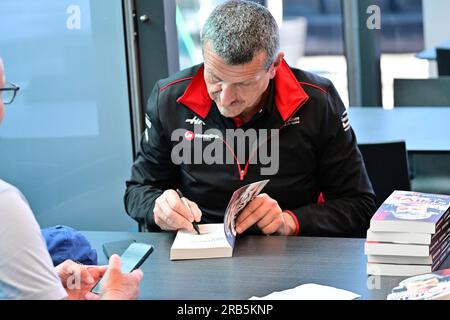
(117, 285)
(171, 213)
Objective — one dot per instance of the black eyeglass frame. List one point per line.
(10, 87)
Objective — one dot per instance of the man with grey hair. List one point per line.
(320, 186)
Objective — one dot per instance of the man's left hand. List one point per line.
(78, 279)
(267, 215)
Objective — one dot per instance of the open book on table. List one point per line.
(216, 240)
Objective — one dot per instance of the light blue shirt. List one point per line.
(26, 269)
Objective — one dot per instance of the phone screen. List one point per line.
(132, 259)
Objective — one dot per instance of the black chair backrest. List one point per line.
(443, 61)
(387, 167)
(422, 92)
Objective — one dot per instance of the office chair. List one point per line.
(443, 61)
(422, 92)
(430, 172)
(387, 166)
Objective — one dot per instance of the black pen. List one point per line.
(194, 224)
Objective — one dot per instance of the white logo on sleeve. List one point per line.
(148, 123)
(195, 120)
(345, 121)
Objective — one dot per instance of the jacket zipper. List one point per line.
(241, 172)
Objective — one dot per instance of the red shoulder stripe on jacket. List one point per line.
(174, 82)
(315, 86)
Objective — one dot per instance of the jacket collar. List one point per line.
(289, 95)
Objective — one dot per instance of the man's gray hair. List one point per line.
(237, 30)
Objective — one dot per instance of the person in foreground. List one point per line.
(200, 123)
(26, 268)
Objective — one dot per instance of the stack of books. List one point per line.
(409, 234)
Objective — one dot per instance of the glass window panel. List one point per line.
(401, 38)
(310, 35)
(66, 139)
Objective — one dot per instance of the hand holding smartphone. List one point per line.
(132, 259)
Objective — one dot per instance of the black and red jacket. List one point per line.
(318, 155)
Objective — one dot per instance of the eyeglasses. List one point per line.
(8, 93)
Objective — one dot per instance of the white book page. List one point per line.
(211, 236)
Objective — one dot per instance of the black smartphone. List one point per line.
(116, 247)
(133, 257)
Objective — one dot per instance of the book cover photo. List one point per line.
(408, 211)
(430, 286)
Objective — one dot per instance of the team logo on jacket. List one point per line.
(293, 121)
(189, 136)
(195, 120)
(345, 121)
